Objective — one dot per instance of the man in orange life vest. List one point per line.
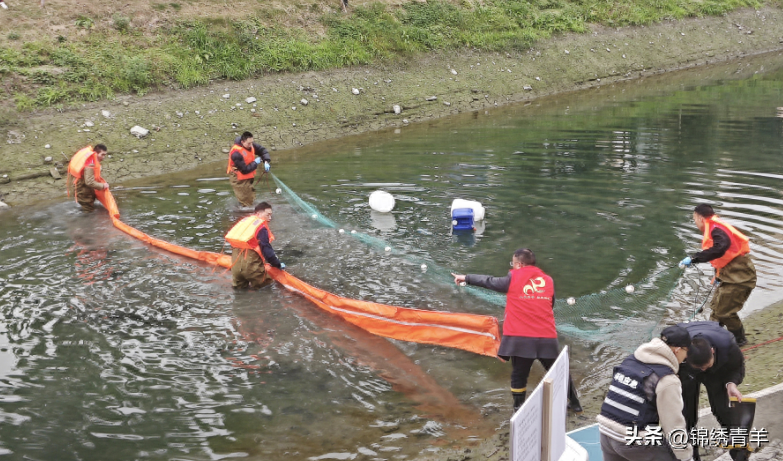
(727, 250)
(243, 161)
(529, 328)
(85, 168)
(251, 242)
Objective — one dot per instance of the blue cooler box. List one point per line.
(462, 219)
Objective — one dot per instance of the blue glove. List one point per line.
(685, 262)
(258, 160)
(266, 166)
(282, 266)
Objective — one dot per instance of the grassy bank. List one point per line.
(69, 53)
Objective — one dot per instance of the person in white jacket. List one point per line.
(641, 418)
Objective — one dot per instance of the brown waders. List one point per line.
(85, 196)
(243, 189)
(737, 280)
(247, 268)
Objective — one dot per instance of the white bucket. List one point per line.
(478, 209)
(381, 201)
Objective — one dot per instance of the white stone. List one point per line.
(432, 98)
(405, 120)
(179, 114)
(447, 104)
(251, 100)
(226, 96)
(453, 71)
(304, 102)
(355, 90)
(48, 159)
(86, 130)
(88, 123)
(48, 146)
(106, 113)
(139, 132)
(4, 205)
(397, 108)
(196, 112)
(252, 110)
(225, 151)
(538, 79)
(527, 87)
(567, 52)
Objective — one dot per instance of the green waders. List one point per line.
(248, 269)
(737, 280)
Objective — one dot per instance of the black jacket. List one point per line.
(266, 248)
(258, 149)
(720, 245)
(729, 366)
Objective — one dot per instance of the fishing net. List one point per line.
(594, 317)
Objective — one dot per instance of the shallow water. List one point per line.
(108, 346)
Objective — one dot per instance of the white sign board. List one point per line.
(526, 424)
(559, 376)
(526, 428)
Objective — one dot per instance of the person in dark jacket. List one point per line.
(728, 251)
(529, 332)
(715, 360)
(243, 161)
(247, 261)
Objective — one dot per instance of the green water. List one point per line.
(110, 347)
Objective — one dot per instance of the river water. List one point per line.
(108, 347)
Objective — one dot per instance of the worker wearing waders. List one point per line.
(645, 392)
(243, 161)
(715, 360)
(85, 169)
(529, 328)
(727, 250)
(251, 242)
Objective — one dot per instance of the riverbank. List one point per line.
(764, 368)
(192, 127)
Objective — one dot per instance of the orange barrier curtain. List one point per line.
(474, 333)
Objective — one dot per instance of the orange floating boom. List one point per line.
(474, 333)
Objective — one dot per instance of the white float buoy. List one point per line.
(571, 301)
(277, 191)
(453, 222)
(387, 248)
(342, 231)
(423, 267)
(381, 201)
(629, 289)
(314, 216)
(462, 284)
(353, 231)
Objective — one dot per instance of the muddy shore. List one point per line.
(189, 128)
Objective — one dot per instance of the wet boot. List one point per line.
(573, 398)
(739, 335)
(519, 399)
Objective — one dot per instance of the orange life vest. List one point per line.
(739, 243)
(243, 234)
(529, 304)
(247, 155)
(82, 159)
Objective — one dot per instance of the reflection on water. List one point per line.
(107, 345)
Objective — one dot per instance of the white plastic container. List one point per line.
(478, 208)
(381, 201)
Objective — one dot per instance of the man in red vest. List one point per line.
(727, 250)
(85, 169)
(529, 328)
(243, 160)
(251, 242)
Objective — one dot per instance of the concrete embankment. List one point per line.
(188, 128)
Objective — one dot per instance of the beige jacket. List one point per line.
(89, 179)
(668, 397)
